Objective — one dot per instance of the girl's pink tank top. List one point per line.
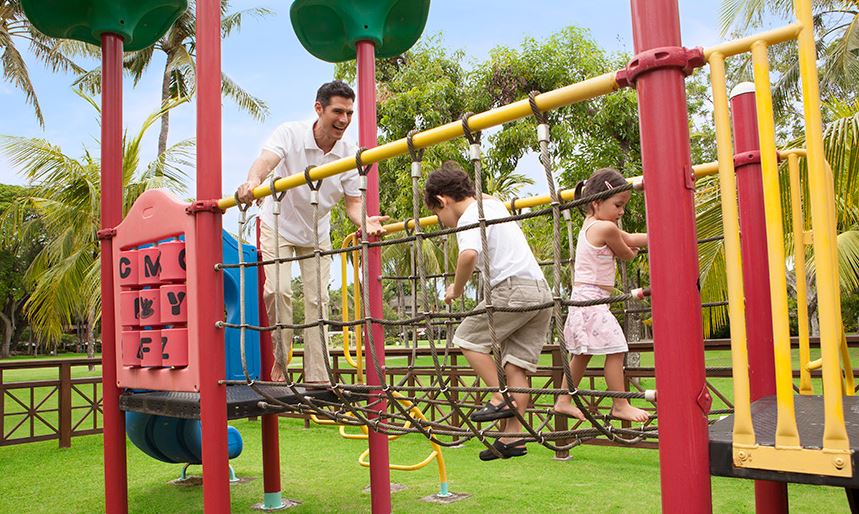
(594, 264)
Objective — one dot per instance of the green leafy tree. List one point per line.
(65, 196)
(17, 251)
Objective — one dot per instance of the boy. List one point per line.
(516, 281)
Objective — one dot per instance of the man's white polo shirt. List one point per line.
(294, 143)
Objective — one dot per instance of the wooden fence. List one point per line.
(65, 407)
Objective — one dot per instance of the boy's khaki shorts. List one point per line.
(520, 335)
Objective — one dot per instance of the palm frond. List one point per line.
(848, 259)
(252, 105)
(231, 22)
(15, 71)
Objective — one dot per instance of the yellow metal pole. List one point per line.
(786, 431)
(805, 386)
(740, 46)
(823, 225)
(706, 169)
(580, 91)
(744, 432)
(344, 298)
(849, 380)
(356, 300)
(344, 307)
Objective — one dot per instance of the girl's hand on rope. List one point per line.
(374, 225)
(451, 294)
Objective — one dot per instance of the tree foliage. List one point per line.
(64, 195)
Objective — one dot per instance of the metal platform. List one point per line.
(242, 401)
(809, 420)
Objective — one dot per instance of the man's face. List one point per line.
(335, 117)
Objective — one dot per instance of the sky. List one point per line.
(266, 59)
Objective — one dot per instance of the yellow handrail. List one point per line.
(567, 95)
(805, 386)
(743, 430)
(787, 435)
(821, 192)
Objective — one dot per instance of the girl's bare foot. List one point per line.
(568, 409)
(627, 412)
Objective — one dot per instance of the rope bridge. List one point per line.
(353, 404)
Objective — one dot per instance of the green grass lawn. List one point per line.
(320, 470)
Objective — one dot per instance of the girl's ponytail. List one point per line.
(577, 193)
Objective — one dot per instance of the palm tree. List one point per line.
(14, 28)
(837, 29)
(179, 74)
(64, 194)
(836, 26)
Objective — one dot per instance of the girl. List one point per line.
(594, 330)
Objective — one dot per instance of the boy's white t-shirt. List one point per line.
(509, 253)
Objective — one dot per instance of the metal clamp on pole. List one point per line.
(686, 59)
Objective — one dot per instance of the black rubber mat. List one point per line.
(242, 401)
(809, 420)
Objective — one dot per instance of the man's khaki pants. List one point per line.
(315, 345)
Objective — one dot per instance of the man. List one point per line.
(290, 150)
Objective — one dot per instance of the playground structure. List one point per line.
(762, 440)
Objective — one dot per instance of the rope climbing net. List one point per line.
(357, 404)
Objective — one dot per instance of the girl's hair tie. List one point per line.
(608, 185)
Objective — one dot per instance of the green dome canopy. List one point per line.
(140, 23)
(330, 29)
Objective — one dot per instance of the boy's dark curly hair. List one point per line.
(449, 180)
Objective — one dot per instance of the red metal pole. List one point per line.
(115, 468)
(213, 395)
(270, 437)
(380, 477)
(770, 497)
(673, 254)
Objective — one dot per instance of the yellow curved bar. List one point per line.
(805, 385)
(821, 191)
(363, 461)
(416, 413)
(355, 362)
(580, 91)
(786, 430)
(356, 303)
(744, 432)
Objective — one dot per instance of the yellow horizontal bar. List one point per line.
(700, 170)
(770, 37)
(566, 195)
(578, 92)
(799, 152)
(815, 364)
(706, 169)
(835, 463)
